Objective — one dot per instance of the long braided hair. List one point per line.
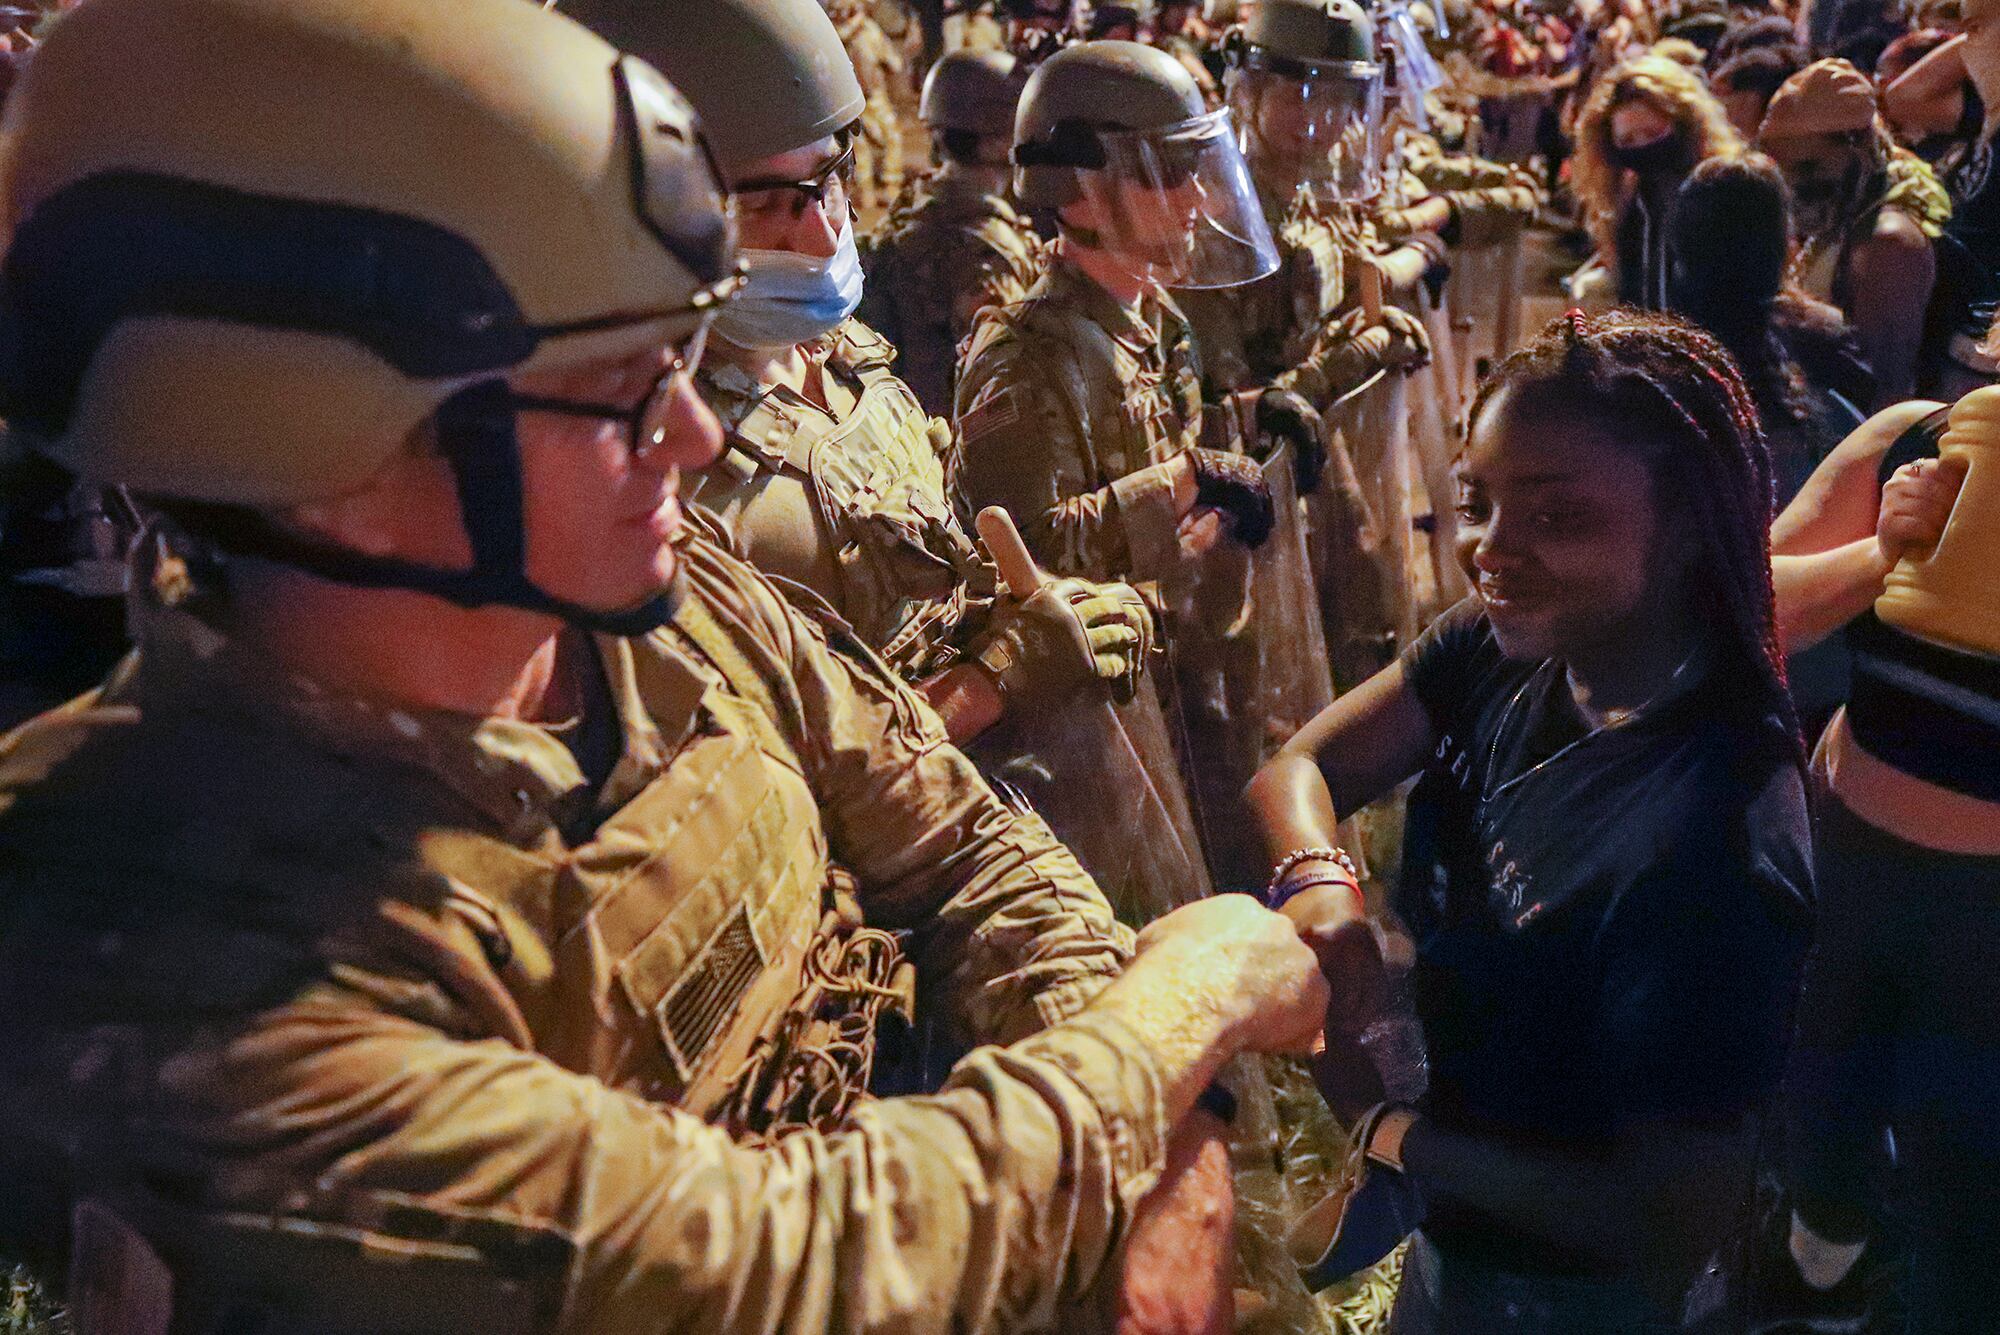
(1670, 389)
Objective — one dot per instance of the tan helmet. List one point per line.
(301, 229)
(973, 92)
(1082, 91)
(298, 227)
(767, 76)
(1122, 129)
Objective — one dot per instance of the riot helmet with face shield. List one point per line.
(1121, 130)
(1306, 91)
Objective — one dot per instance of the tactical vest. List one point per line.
(901, 571)
(683, 952)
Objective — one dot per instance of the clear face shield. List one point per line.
(1316, 127)
(1417, 72)
(1179, 199)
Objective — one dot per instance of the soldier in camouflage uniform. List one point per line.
(831, 477)
(878, 132)
(955, 243)
(432, 927)
(1306, 90)
(1081, 408)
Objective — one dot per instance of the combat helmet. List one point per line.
(778, 66)
(1123, 127)
(1306, 88)
(250, 276)
(972, 92)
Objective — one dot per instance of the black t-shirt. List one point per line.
(1609, 924)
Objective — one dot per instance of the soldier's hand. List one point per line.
(1409, 340)
(1286, 416)
(1251, 958)
(1234, 485)
(1174, 1274)
(1120, 627)
(1064, 636)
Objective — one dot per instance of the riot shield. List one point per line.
(1375, 426)
(1105, 778)
(1103, 775)
(1250, 668)
(1438, 405)
(1347, 551)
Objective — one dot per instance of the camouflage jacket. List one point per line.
(946, 251)
(382, 1018)
(1065, 402)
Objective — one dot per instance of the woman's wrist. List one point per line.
(1306, 868)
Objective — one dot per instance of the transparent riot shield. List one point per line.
(1105, 778)
(1438, 395)
(1103, 775)
(1376, 427)
(1347, 550)
(1249, 669)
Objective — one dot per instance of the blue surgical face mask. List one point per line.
(791, 298)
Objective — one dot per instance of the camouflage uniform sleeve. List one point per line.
(1022, 446)
(979, 1208)
(1009, 931)
(1490, 201)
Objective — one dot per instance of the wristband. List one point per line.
(1386, 1125)
(1272, 896)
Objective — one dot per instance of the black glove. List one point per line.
(1285, 416)
(1233, 484)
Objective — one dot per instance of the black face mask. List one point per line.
(1668, 153)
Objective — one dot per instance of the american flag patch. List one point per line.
(993, 412)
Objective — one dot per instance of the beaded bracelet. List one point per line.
(1272, 892)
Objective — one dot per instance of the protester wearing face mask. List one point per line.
(1640, 134)
(1865, 213)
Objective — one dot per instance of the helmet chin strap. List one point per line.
(476, 432)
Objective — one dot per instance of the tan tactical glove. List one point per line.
(1350, 349)
(1068, 633)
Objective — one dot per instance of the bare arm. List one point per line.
(1354, 751)
(1820, 593)
(1839, 502)
(1929, 97)
(966, 699)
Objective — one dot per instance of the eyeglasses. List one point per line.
(826, 187)
(645, 422)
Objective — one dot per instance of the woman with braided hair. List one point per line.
(1605, 876)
